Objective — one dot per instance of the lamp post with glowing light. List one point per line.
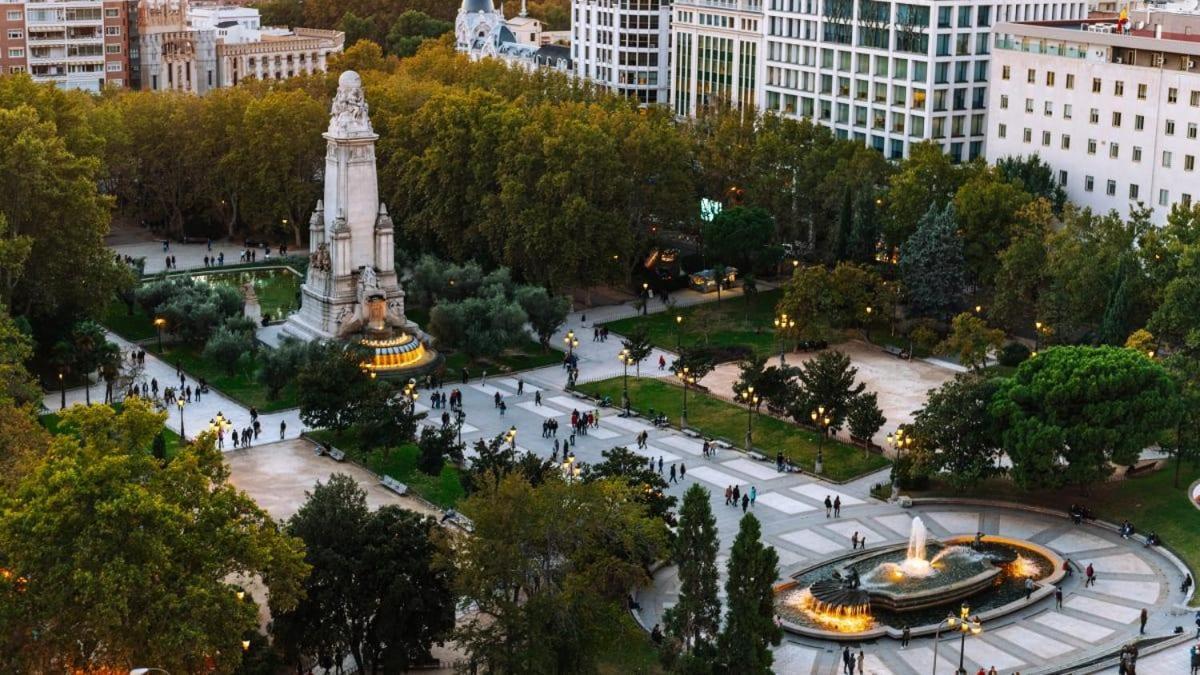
(1037, 336)
(686, 376)
(459, 418)
(867, 324)
(751, 403)
(626, 360)
(570, 468)
(964, 623)
(678, 333)
(822, 421)
(570, 342)
(62, 390)
(783, 324)
(159, 322)
(899, 441)
(410, 394)
(182, 433)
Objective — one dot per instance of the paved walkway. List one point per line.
(190, 256)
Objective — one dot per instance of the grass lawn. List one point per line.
(637, 654)
(400, 463)
(529, 355)
(734, 322)
(1150, 502)
(132, 327)
(277, 288)
(241, 386)
(715, 417)
(54, 425)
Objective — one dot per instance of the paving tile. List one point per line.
(781, 502)
(626, 423)
(759, 470)
(1072, 542)
(847, 528)
(873, 666)
(541, 410)
(787, 557)
(602, 433)
(814, 542)
(987, 654)
(1125, 563)
(819, 491)
(1033, 642)
(653, 453)
(489, 390)
(955, 522)
(718, 478)
(795, 658)
(900, 523)
(684, 444)
(1077, 628)
(567, 403)
(1141, 591)
(920, 659)
(511, 383)
(1102, 609)
(1020, 527)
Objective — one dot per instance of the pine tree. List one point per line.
(696, 617)
(932, 265)
(750, 627)
(1119, 312)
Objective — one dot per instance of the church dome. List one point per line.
(477, 6)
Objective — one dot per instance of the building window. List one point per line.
(1110, 188)
(1046, 138)
(1028, 135)
(1172, 95)
(1031, 76)
(112, 30)
(1002, 131)
(1028, 105)
(1066, 111)
(110, 13)
(1195, 99)
(1166, 159)
(1066, 142)
(1137, 153)
(1070, 81)
(1141, 92)
(113, 66)
(1091, 149)
(1118, 88)
(1170, 130)
(1164, 197)
(1191, 130)
(1133, 191)
(112, 49)
(1062, 177)
(1139, 122)
(1004, 101)
(14, 15)
(1049, 78)
(1094, 116)
(1048, 108)
(1089, 183)
(1114, 150)
(16, 53)
(15, 35)
(1005, 72)
(1095, 85)
(1189, 162)
(1186, 200)
(1116, 119)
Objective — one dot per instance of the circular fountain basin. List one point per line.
(991, 579)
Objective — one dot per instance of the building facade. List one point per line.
(716, 56)
(623, 45)
(482, 32)
(81, 44)
(1115, 113)
(891, 74)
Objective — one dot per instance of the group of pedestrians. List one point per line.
(735, 497)
(853, 663)
(215, 260)
(833, 506)
(600, 334)
(440, 399)
(550, 428)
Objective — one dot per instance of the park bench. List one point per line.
(394, 485)
(337, 455)
(896, 351)
(1141, 467)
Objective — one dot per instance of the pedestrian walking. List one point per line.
(520, 387)
(683, 473)
(854, 541)
(745, 502)
(861, 660)
(1028, 587)
(1187, 583)
(1058, 596)
(737, 495)
(503, 407)
(905, 636)
(660, 465)
(1145, 615)
(662, 362)
(672, 480)
(282, 428)
(729, 495)
(847, 661)
(828, 506)
(753, 495)
(537, 398)
(837, 506)
(1090, 576)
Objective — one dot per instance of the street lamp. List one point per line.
(899, 441)
(965, 623)
(783, 324)
(1037, 337)
(687, 378)
(182, 434)
(410, 393)
(159, 322)
(822, 421)
(626, 360)
(570, 469)
(62, 390)
(459, 418)
(751, 403)
(571, 342)
(678, 333)
(867, 329)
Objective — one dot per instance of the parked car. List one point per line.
(705, 281)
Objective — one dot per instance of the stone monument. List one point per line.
(351, 290)
(251, 309)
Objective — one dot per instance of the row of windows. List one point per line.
(1114, 149)
(1118, 88)
(1110, 189)
(1117, 117)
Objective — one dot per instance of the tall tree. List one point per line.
(548, 569)
(379, 591)
(332, 386)
(987, 206)
(932, 265)
(696, 616)
(97, 515)
(827, 381)
(546, 312)
(638, 345)
(956, 423)
(650, 487)
(971, 340)
(750, 630)
(864, 417)
(1035, 176)
(1072, 410)
(737, 236)
(926, 180)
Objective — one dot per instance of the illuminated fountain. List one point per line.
(910, 585)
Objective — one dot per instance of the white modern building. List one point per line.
(891, 74)
(1114, 113)
(716, 54)
(623, 45)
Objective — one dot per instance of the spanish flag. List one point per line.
(1123, 19)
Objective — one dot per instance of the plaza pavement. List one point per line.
(190, 256)
(1093, 619)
